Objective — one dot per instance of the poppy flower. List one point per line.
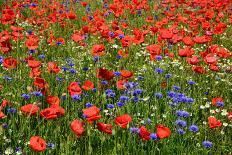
(40, 82)
(217, 99)
(53, 100)
(74, 89)
(33, 63)
(213, 67)
(88, 85)
(193, 60)
(54, 111)
(35, 72)
(71, 15)
(53, 68)
(29, 109)
(105, 74)
(4, 103)
(92, 113)
(199, 69)
(210, 59)
(37, 144)
(213, 122)
(229, 115)
(188, 41)
(98, 50)
(123, 54)
(10, 63)
(32, 42)
(186, 52)
(106, 128)
(162, 131)
(77, 127)
(77, 37)
(2, 115)
(154, 49)
(126, 74)
(120, 84)
(144, 133)
(166, 34)
(123, 120)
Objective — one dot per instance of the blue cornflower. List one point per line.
(42, 56)
(207, 144)
(168, 75)
(158, 57)
(11, 110)
(76, 97)
(220, 103)
(50, 146)
(18, 150)
(64, 68)
(94, 90)
(148, 121)
(124, 98)
(110, 106)
(104, 82)
(90, 18)
(194, 128)
(59, 78)
(30, 51)
(88, 10)
(156, 17)
(85, 68)
(180, 131)
(121, 36)
(37, 93)
(190, 100)
(154, 136)
(134, 130)
(1, 59)
(139, 12)
(7, 78)
(120, 104)
(191, 82)
(171, 94)
(136, 99)
(158, 95)
(159, 70)
(71, 64)
(5, 125)
(137, 92)
(118, 57)
(117, 73)
(95, 59)
(206, 93)
(105, 5)
(111, 34)
(29, 32)
(88, 105)
(176, 88)
(140, 77)
(26, 96)
(181, 123)
(184, 114)
(72, 71)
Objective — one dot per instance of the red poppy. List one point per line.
(98, 50)
(35, 72)
(186, 52)
(162, 131)
(214, 68)
(210, 59)
(188, 41)
(37, 144)
(10, 63)
(199, 69)
(120, 84)
(126, 74)
(71, 15)
(53, 100)
(217, 99)
(29, 109)
(2, 115)
(77, 127)
(166, 34)
(52, 112)
(88, 85)
(105, 74)
(92, 113)
(32, 42)
(229, 115)
(193, 60)
(126, 41)
(106, 128)
(144, 133)
(40, 82)
(4, 103)
(74, 89)
(77, 37)
(53, 68)
(123, 54)
(60, 40)
(33, 63)
(123, 120)
(213, 122)
(154, 49)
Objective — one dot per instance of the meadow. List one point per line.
(116, 77)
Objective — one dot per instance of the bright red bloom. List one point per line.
(4, 103)
(123, 120)
(88, 85)
(74, 89)
(37, 144)
(107, 128)
(33, 63)
(53, 68)
(193, 60)
(126, 73)
(186, 52)
(166, 34)
(199, 69)
(98, 50)
(162, 131)
(105, 74)
(77, 127)
(92, 114)
(188, 41)
(217, 99)
(53, 100)
(2, 115)
(10, 63)
(40, 82)
(120, 84)
(144, 133)
(35, 72)
(229, 115)
(52, 112)
(29, 109)
(213, 122)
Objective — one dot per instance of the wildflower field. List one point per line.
(116, 77)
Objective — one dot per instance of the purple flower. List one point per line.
(194, 128)
(207, 144)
